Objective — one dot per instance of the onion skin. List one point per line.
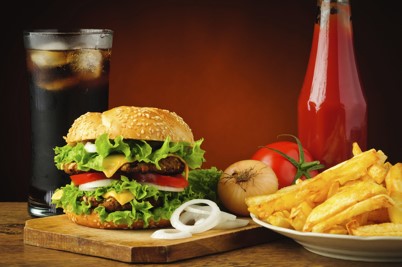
(244, 179)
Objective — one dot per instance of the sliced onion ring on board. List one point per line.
(190, 217)
(227, 217)
(198, 209)
(170, 234)
(230, 224)
(193, 218)
(208, 223)
(226, 220)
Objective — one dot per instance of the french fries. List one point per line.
(393, 183)
(360, 196)
(383, 229)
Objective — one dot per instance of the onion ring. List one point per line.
(198, 209)
(227, 216)
(203, 218)
(230, 224)
(190, 217)
(91, 186)
(164, 188)
(90, 147)
(170, 234)
(208, 223)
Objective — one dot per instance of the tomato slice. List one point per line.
(177, 181)
(87, 177)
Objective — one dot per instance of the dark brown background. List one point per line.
(231, 69)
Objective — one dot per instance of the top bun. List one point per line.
(140, 123)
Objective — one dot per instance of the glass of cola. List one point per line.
(68, 74)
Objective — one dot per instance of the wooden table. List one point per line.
(283, 252)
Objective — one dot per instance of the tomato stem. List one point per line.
(302, 168)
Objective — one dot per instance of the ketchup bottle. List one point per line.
(332, 108)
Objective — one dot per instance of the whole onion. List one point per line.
(243, 179)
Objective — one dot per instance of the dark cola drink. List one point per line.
(68, 78)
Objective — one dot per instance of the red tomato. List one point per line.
(286, 171)
(177, 181)
(87, 177)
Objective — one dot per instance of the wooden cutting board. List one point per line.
(58, 232)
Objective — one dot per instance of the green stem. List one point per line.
(303, 168)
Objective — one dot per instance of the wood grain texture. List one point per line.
(57, 232)
(282, 252)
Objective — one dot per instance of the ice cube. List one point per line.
(86, 63)
(48, 59)
(59, 84)
(53, 46)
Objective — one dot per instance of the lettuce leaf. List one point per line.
(134, 150)
(202, 184)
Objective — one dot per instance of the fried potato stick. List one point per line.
(357, 166)
(345, 198)
(314, 190)
(343, 217)
(393, 183)
(383, 229)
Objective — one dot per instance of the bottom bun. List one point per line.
(93, 220)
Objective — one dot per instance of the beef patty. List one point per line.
(169, 166)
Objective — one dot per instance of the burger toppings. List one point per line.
(110, 203)
(128, 201)
(89, 177)
(90, 147)
(122, 198)
(170, 165)
(137, 160)
(90, 186)
(112, 163)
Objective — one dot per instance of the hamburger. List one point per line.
(129, 168)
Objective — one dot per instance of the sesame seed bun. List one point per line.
(92, 220)
(140, 123)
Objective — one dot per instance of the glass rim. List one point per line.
(67, 31)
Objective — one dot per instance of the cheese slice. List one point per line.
(112, 163)
(122, 197)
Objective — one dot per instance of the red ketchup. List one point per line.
(332, 108)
